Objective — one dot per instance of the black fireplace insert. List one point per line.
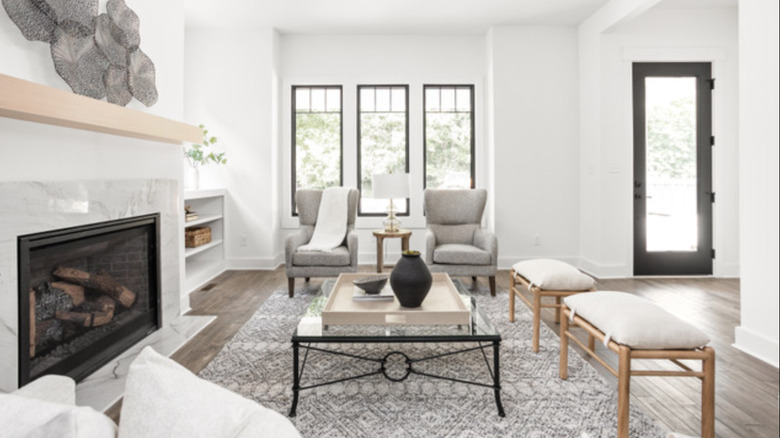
(86, 294)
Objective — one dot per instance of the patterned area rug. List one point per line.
(257, 363)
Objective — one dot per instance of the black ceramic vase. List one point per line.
(411, 280)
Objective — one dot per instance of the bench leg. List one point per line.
(291, 286)
(624, 390)
(708, 395)
(537, 319)
(558, 310)
(512, 297)
(563, 371)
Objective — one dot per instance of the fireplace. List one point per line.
(86, 294)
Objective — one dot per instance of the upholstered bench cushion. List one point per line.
(336, 257)
(456, 254)
(635, 322)
(548, 274)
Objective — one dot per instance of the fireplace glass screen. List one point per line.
(86, 294)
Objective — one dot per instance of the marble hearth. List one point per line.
(32, 207)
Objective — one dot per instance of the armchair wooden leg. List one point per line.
(492, 281)
(307, 279)
(291, 286)
(473, 279)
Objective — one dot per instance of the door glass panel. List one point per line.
(671, 164)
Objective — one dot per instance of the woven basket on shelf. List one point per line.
(197, 236)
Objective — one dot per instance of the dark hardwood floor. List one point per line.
(746, 388)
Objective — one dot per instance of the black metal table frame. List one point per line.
(304, 342)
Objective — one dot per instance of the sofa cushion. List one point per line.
(24, 416)
(636, 322)
(548, 274)
(454, 254)
(164, 399)
(337, 257)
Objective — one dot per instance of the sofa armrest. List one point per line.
(430, 244)
(488, 242)
(51, 388)
(352, 246)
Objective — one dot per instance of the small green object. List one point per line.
(197, 156)
(411, 252)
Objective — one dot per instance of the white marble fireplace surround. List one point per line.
(32, 207)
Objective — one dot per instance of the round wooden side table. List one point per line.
(381, 235)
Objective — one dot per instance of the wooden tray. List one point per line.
(442, 306)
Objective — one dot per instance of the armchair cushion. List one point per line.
(337, 257)
(456, 254)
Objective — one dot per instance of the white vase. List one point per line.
(192, 179)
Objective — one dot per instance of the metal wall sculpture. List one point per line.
(97, 55)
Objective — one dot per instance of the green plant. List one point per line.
(198, 154)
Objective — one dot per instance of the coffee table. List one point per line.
(310, 331)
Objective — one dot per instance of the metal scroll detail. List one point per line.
(97, 55)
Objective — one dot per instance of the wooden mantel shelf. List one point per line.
(25, 100)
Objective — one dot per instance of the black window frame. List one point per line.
(293, 110)
(472, 112)
(359, 148)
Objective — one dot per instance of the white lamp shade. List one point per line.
(391, 185)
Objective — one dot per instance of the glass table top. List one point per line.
(311, 329)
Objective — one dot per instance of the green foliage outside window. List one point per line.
(448, 150)
(317, 150)
(383, 146)
(671, 140)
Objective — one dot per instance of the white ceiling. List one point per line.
(385, 16)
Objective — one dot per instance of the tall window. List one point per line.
(383, 140)
(317, 127)
(449, 136)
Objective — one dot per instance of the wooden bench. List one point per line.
(635, 328)
(545, 278)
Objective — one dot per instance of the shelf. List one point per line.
(203, 220)
(25, 100)
(192, 251)
(200, 194)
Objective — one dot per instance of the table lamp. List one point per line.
(391, 186)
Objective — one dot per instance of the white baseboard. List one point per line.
(757, 345)
(604, 271)
(725, 270)
(507, 262)
(267, 264)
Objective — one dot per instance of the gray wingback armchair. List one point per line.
(313, 263)
(455, 242)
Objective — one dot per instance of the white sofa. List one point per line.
(161, 399)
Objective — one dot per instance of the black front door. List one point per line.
(672, 168)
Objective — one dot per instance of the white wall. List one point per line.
(758, 180)
(534, 129)
(705, 34)
(230, 84)
(33, 151)
(37, 152)
(398, 59)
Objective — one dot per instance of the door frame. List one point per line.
(699, 262)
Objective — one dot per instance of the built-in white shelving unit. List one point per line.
(203, 263)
